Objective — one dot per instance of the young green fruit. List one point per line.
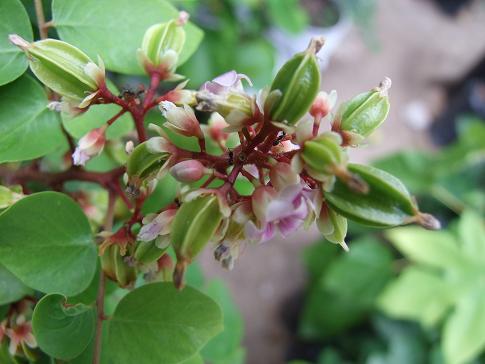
(148, 252)
(142, 165)
(387, 203)
(298, 81)
(116, 267)
(363, 114)
(333, 226)
(63, 68)
(324, 158)
(194, 225)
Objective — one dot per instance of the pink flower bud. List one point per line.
(282, 175)
(90, 145)
(181, 120)
(217, 124)
(323, 103)
(188, 171)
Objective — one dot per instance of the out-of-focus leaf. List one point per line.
(433, 248)
(472, 235)
(11, 288)
(287, 14)
(464, 332)
(417, 294)
(256, 59)
(28, 129)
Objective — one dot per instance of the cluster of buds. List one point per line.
(292, 149)
(16, 332)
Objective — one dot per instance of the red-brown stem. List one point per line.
(154, 82)
(98, 333)
(114, 118)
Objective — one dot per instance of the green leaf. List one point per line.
(162, 325)
(13, 20)
(433, 248)
(472, 235)
(361, 274)
(11, 288)
(35, 130)
(417, 294)
(46, 242)
(227, 342)
(118, 27)
(464, 332)
(256, 59)
(317, 258)
(288, 14)
(196, 359)
(62, 331)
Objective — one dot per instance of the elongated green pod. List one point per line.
(116, 268)
(148, 252)
(62, 67)
(387, 203)
(193, 227)
(299, 82)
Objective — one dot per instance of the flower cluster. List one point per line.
(288, 141)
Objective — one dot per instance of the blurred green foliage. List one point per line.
(422, 299)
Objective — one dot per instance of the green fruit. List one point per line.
(193, 227)
(116, 268)
(299, 82)
(148, 252)
(387, 203)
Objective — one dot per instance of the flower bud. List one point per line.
(298, 81)
(363, 114)
(181, 120)
(282, 175)
(89, 146)
(162, 45)
(64, 68)
(216, 128)
(323, 103)
(333, 226)
(194, 226)
(188, 171)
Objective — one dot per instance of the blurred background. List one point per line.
(303, 300)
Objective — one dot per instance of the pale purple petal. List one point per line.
(150, 231)
(289, 225)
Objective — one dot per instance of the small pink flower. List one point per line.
(181, 120)
(157, 227)
(225, 82)
(323, 104)
(282, 175)
(20, 334)
(283, 211)
(180, 96)
(89, 146)
(188, 171)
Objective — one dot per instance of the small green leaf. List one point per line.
(417, 295)
(13, 20)
(62, 331)
(46, 242)
(433, 248)
(118, 27)
(11, 288)
(162, 325)
(288, 14)
(464, 332)
(35, 130)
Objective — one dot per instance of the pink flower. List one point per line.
(181, 120)
(227, 81)
(215, 128)
(90, 145)
(188, 171)
(20, 334)
(157, 227)
(283, 211)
